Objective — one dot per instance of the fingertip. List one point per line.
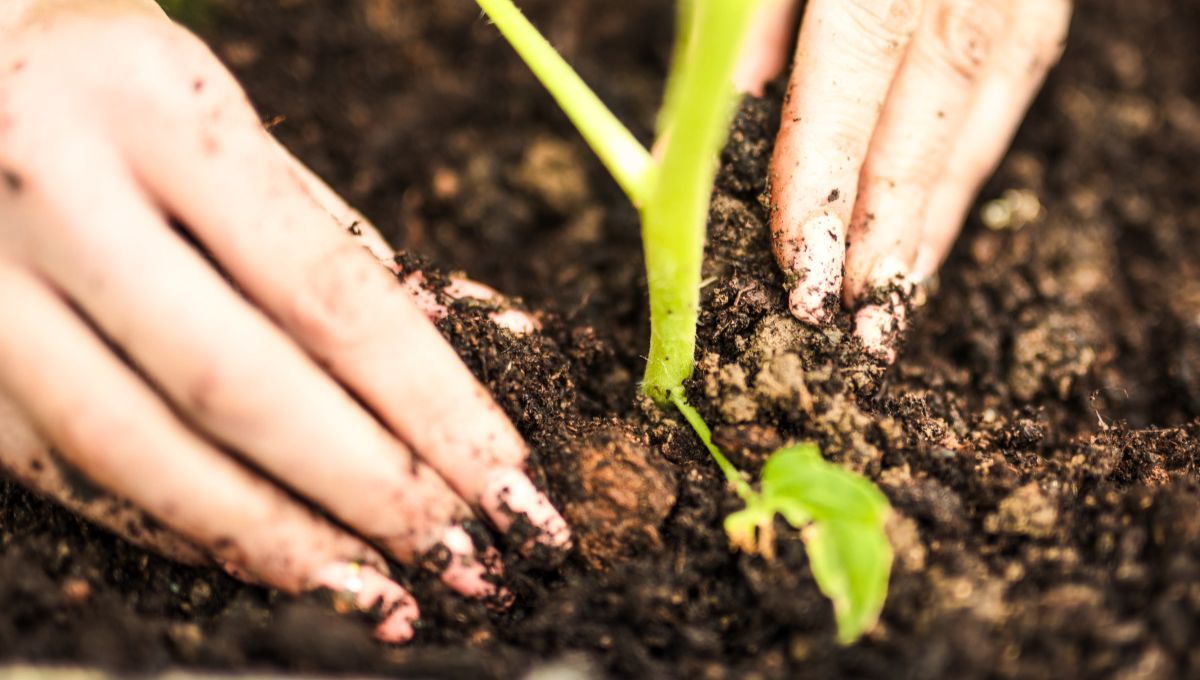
(877, 328)
(365, 589)
(515, 321)
(526, 514)
(469, 570)
(883, 317)
(809, 304)
(236, 572)
(396, 629)
(817, 269)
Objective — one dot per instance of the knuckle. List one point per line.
(891, 21)
(173, 71)
(204, 391)
(94, 432)
(965, 33)
(335, 304)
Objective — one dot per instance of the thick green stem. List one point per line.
(685, 22)
(626, 159)
(701, 105)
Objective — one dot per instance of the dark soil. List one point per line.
(1039, 436)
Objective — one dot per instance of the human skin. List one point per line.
(896, 113)
(227, 393)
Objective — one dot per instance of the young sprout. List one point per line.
(841, 514)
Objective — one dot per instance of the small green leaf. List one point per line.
(842, 516)
(851, 562)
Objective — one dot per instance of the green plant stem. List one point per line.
(685, 21)
(701, 105)
(625, 158)
(740, 485)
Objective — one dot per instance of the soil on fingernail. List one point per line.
(1038, 437)
(437, 559)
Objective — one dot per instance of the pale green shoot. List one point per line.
(626, 159)
(842, 518)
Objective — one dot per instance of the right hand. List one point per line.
(896, 113)
(211, 376)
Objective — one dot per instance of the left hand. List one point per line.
(896, 113)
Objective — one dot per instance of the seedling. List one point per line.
(841, 515)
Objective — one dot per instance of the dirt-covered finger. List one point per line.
(243, 381)
(846, 59)
(426, 298)
(434, 301)
(924, 113)
(27, 458)
(341, 212)
(115, 432)
(254, 213)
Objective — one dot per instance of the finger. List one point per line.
(240, 379)
(1013, 77)
(28, 459)
(765, 54)
(339, 210)
(115, 432)
(845, 62)
(425, 297)
(429, 300)
(244, 203)
(924, 112)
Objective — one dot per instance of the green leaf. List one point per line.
(851, 562)
(842, 516)
(798, 474)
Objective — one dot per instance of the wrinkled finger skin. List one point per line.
(896, 113)
(149, 373)
(28, 458)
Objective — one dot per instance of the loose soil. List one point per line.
(1039, 436)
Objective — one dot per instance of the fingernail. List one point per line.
(511, 499)
(809, 303)
(515, 321)
(880, 323)
(818, 269)
(876, 327)
(461, 566)
(360, 588)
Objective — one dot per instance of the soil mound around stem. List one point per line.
(1038, 437)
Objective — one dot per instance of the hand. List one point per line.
(897, 112)
(210, 375)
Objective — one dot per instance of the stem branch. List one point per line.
(624, 157)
